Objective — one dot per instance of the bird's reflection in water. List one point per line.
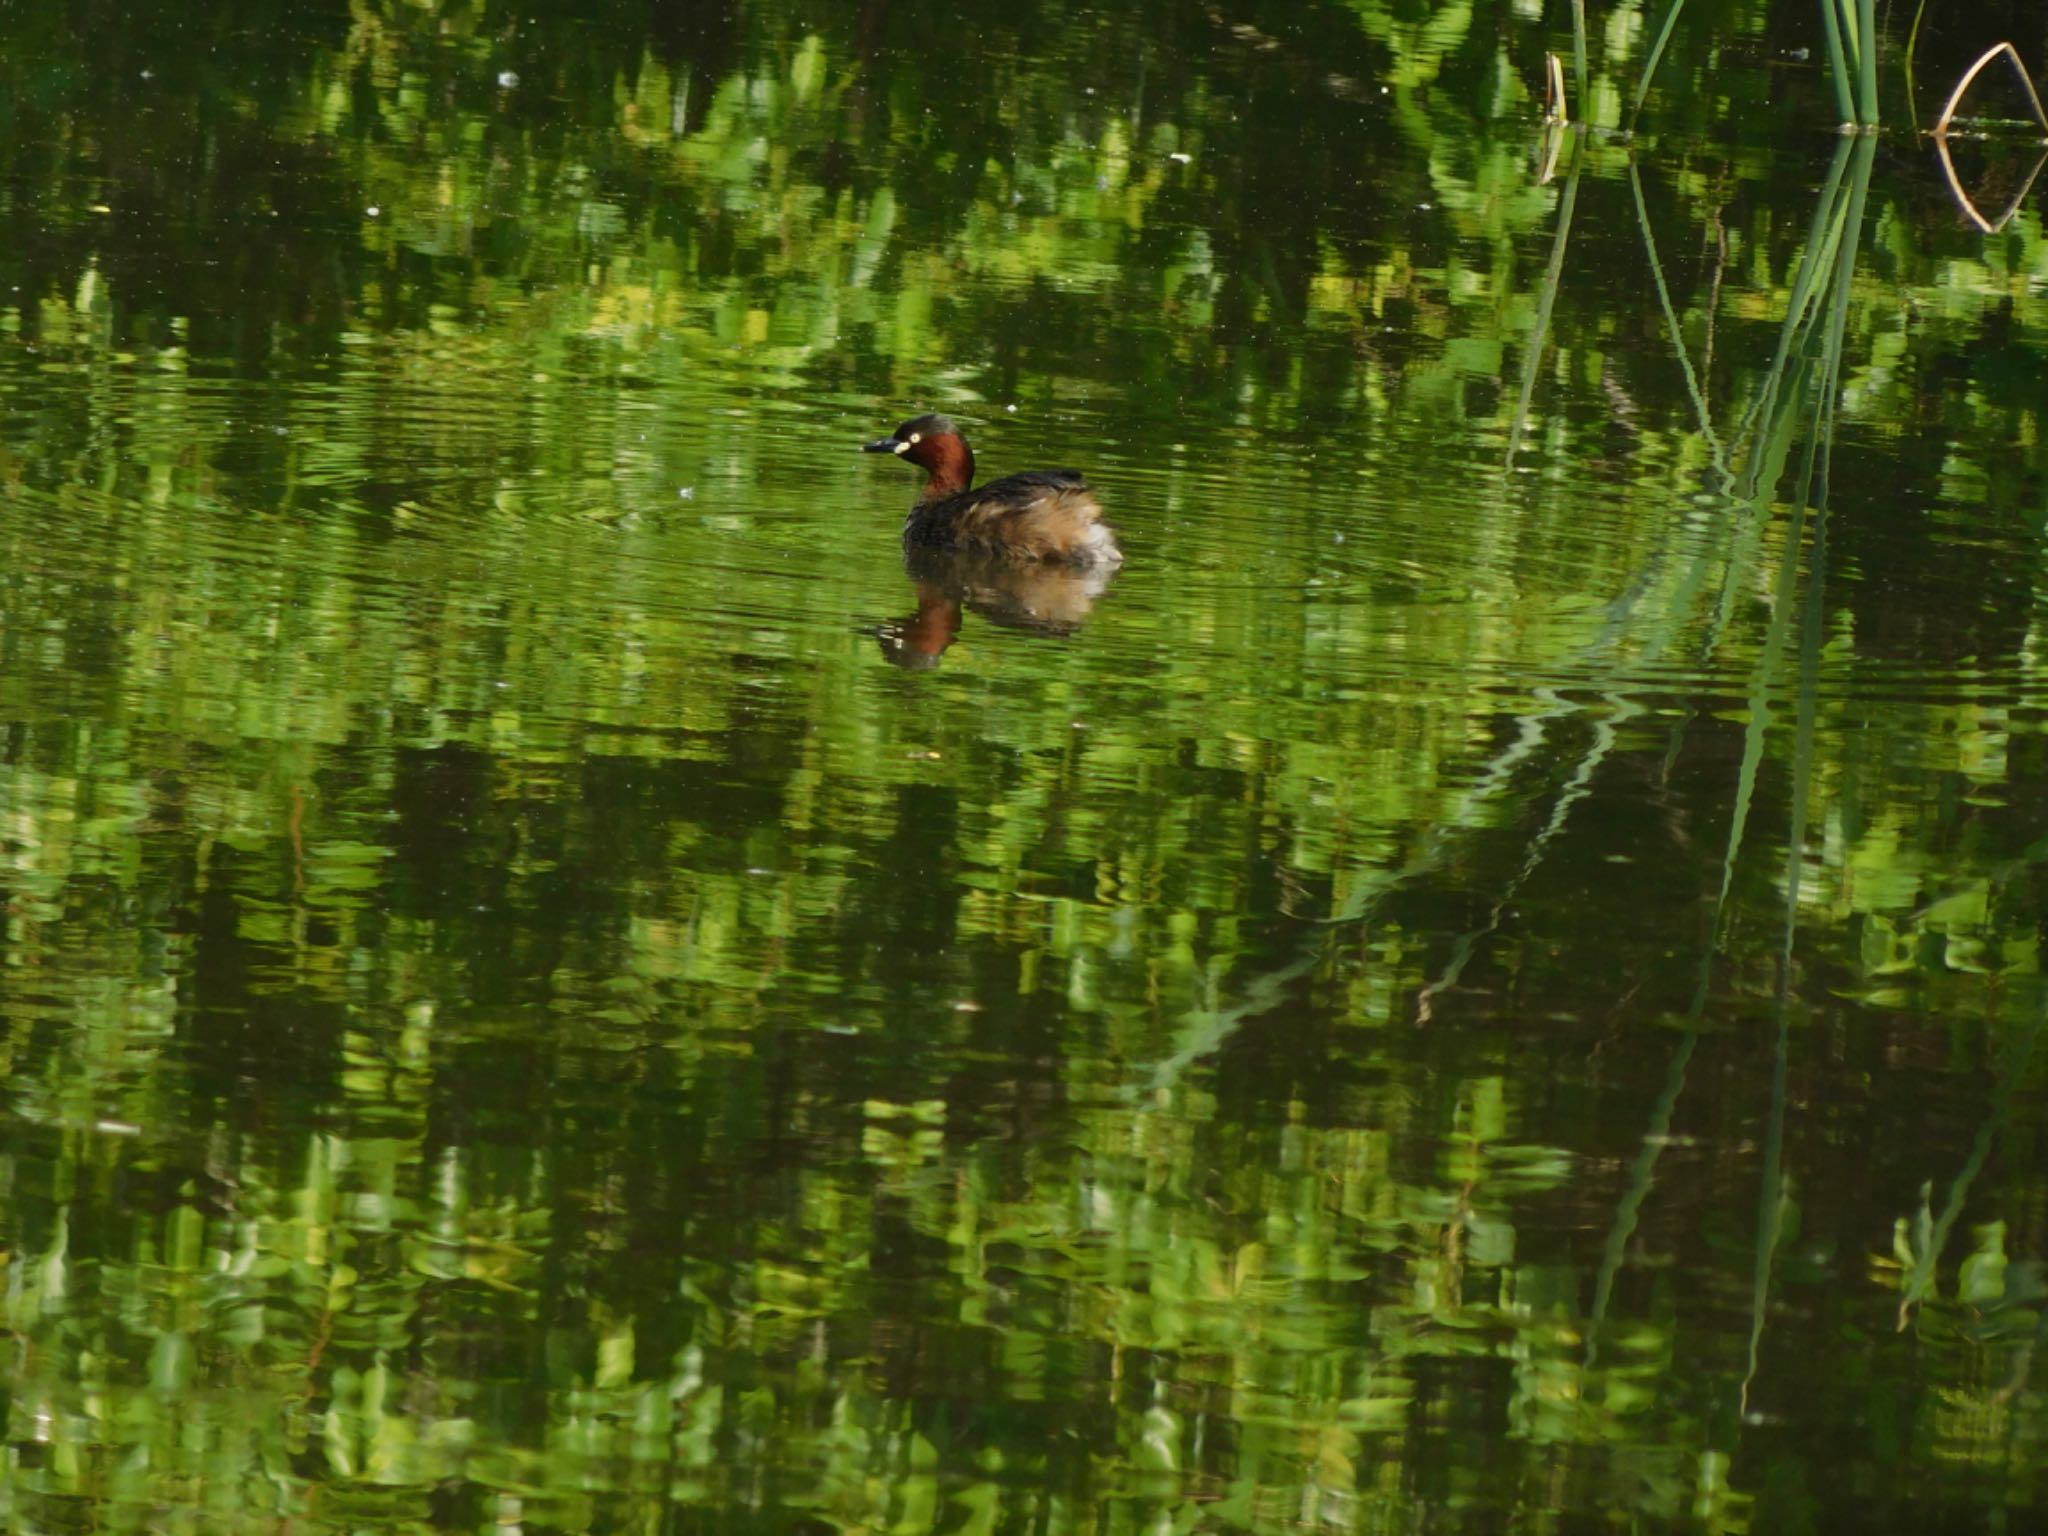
(1038, 598)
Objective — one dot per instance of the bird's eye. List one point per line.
(915, 436)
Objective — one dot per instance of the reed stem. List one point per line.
(1866, 64)
(1838, 63)
(1579, 54)
(1656, 55)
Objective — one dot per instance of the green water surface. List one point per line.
(1489, 980)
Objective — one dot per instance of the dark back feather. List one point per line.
(1042, 514)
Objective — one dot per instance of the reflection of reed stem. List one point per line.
(1813, 492)
(1203, 1031)
(1772, 1197)
(1576, 789)
(1832, 245)
(1821, 242)
(1692, 383)
(1548, 296)
(1714, 293)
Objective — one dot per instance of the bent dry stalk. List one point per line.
(1947, 120)
(1555, 108)
(2019, 68)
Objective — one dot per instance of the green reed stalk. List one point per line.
(1656, 54)
(1579, 54)
(1912, 42)
(1866, 64)
(1838, 64)
(1852, 58)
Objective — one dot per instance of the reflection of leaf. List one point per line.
(1962, 909)
(345, 866)
(1981, 1278)
(1383, 1410)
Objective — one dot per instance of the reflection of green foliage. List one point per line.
(513, 1015)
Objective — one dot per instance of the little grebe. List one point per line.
(1042, 514)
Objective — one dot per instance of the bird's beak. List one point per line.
(886, 445)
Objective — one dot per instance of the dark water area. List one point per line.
(1489, 979)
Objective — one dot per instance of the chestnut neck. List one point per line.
(948, 464)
